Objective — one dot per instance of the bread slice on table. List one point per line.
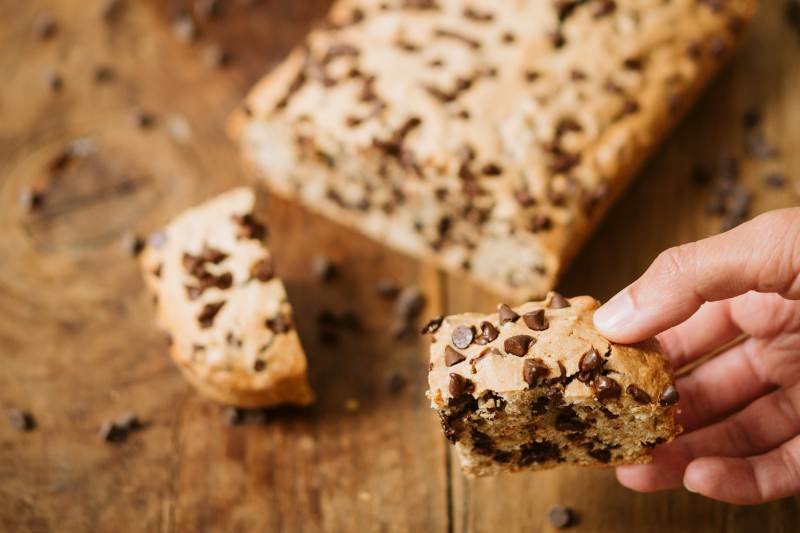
(536, 387)
(226, 315)
(484, 137)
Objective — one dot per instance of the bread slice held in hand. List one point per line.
(226, 315)
(536, 387)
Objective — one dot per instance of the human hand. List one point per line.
(741, 409)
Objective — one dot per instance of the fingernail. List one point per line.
(685, 484)
(616, 314)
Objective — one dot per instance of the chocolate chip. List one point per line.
(507, 314)
(323, 268)
(558, 302)
(633, 63)
(131, 244)
(128, 421)
(717, 45)
(535, 320)
(214, 56)
(53, 81)
(604, 456)
(111, 432)
(394, 381)
(601, 8)
(488, 334)
(560, 516)
(508, 37)
(103, 73)
(638, 394)
(591, 361)
(231, 416)
(387, 289)
(432, 326)
(557, 38)
(463, 336)
(29, 199)
(518, 344)
(141, 119)
(567, 124)
(532, 370)
(206, 316)
(606, 388)
(112, 10)
(259, 365)
(452, 357)
(263, 270)
(458, 385)
(20, 420)
(472, 43)
(757, 145)
(669, 395)
(702, 174)
(752, 118)
(409, 303)
(540, 223)
(774, 180)
(280, 324)
(524, 197)
(45, 26)
(491, 169)
(249, 228)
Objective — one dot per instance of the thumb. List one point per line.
(762, 255)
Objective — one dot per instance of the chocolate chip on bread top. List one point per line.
(537, 387)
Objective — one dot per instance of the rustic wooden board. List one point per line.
(76, 338)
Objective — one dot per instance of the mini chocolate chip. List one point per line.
(131, 244)
(602, 8)
(409, 304)
(111, 432)
(507, 314)
(323, 268)
(488, 334)
(606, 388)
(387, 289)
(717, 45)
(209, 311)
(558, 302)
(560, 516)
(491, 169)
(774, 180)
(535, 320)
(669, 395)
(458, 384)
(463, 336)
(540, 223)
(752, 118)
(263, 270)
(509, 37)
(638, 394)
(53, 81)
(259, 365)
(231, 416)
(591, 361)
(128, 421)
(279, 324)
(432, 326)
(524, 197)
(694, 50)
(20, 420)
(557, 38)
(633, 63)
(452, 357)
(518, 344)
(532, 370)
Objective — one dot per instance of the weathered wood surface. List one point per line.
(76, 338)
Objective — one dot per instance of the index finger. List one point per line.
(762, 255)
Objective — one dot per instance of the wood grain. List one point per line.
(77, 344)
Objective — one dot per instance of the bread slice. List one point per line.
(536, 387)
(483, 137)
(225, 313)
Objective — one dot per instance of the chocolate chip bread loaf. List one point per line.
(536, 386)
(226, 314)
(485, 137)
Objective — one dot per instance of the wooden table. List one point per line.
(77, 344)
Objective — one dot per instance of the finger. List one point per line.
(761, 255)
(750, 480)
(763, 425)
(720, 386)
(708, 329)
